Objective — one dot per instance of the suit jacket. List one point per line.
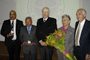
(69, 39)
(24, 36)
(6, 29)
(84, 39)
(45, 28)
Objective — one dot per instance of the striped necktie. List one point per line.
(12, 26)
(77, 36)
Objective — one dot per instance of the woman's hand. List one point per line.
(63, 52)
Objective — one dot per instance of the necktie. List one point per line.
(77, 36)
(12, 26)
(29, 30)
(44, 20)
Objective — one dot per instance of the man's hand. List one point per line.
(32, 43)
(43, 43)
(56, 47)
(21, 45)
(9, 35)
(87, 57)
(26, 43)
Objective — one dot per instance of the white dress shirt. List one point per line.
(81, 28)
(45, 19)
(14, 36)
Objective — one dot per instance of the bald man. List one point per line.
(29, 40)
(45, 26)
(82, 36)
(11, 30)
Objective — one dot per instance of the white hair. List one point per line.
(83, 11)
(46, 8)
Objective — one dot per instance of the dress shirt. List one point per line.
(45, 19)
(29, 27)
(14, 36)
(81, 28)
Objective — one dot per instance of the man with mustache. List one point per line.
(11, 30)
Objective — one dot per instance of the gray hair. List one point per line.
(84, 11)
(45, 8)
(66, 16)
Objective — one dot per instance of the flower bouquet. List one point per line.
(57, 39)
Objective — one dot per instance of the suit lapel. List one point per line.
(16, 25)
(9, 23)
(48, 19)
(69, 28)
(31, 30)
(84, 29)
(26, 30)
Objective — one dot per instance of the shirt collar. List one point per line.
(63, 29)
(13, 20)
(29, 27)
(82, 23)
(45, 19)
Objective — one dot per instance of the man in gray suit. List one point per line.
(29, 40)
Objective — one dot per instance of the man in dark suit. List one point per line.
(45, 26)
(82, 36)
(10, 30)
(29, 40)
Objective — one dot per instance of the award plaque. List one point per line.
(29, 42)
(12, 32)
